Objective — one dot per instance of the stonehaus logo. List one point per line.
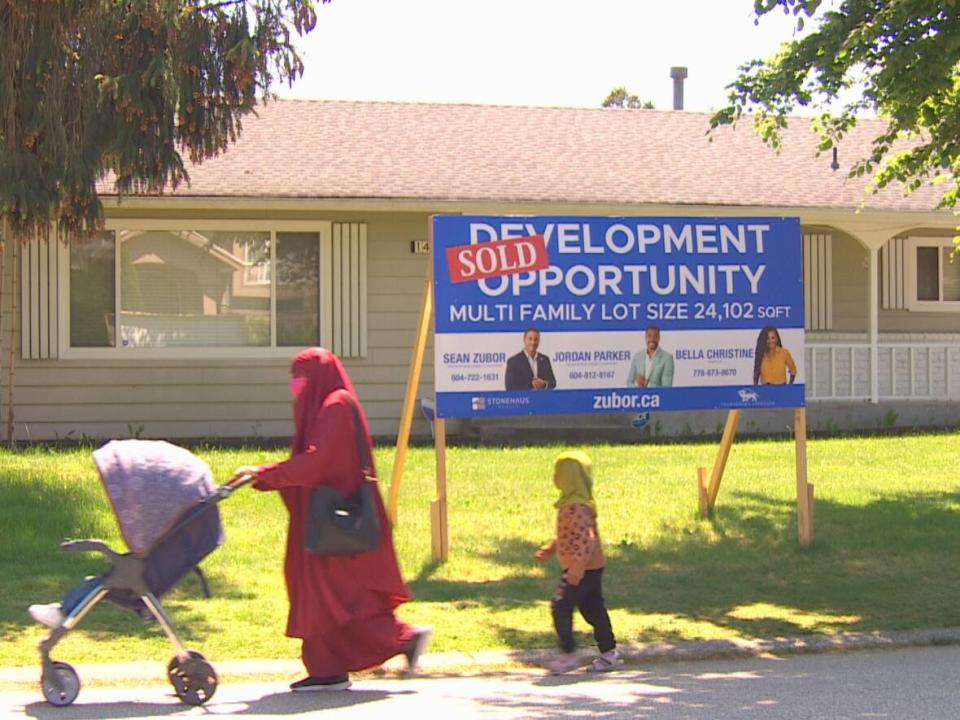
(509, 401)
(479, 403)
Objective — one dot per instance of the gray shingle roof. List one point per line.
(324, 149)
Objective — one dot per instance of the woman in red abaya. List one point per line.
(341, 606)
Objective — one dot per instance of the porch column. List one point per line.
(873, 318)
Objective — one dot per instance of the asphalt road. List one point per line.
(903, 684)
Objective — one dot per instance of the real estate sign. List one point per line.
(546, 315)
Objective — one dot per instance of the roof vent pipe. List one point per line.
(678, 74)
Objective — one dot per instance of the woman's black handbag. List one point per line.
(345, 525)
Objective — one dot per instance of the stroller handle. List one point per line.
(238, 481)
(89, 546)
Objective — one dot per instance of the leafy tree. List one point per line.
(899, 58)
(91, 89)
(621, 99)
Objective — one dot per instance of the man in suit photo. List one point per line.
(529, 369)
(653, 368)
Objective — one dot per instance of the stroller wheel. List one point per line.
(194, 679)
(62, 686)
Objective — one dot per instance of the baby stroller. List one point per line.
(166, 505)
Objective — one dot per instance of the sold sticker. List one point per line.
(497, 258)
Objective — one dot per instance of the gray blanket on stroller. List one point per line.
(150, 483)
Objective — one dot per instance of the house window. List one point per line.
(934, 275)
(298, 289)
(164, 289)
(92, 293)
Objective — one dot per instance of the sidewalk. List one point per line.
(491, 661)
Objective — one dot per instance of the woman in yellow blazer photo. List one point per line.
(771, 360)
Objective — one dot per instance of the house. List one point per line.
(180, 320)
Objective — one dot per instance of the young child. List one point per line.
(577, 546)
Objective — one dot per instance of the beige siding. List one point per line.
(396, 288)
(850, 288)
(851, 295)
(5, 318)
(906, 321)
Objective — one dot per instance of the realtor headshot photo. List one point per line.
(529, 369)
(772, 362)
(652, 367)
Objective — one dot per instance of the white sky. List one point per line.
(532, 52)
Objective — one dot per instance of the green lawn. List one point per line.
(887, 535)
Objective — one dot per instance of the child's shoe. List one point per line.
(565, 662)
(606, 662)
(50, 615)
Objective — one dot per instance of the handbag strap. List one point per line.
(363, 449)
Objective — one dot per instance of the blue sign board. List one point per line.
(545, 315)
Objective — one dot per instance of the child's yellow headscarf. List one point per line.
(573, 476)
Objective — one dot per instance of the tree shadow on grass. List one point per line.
(34, 566)
(889, 564)
(510, 591)
(107, 622)
(883, 565)
(38, 571)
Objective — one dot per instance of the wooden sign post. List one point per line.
(708, 495)
(410, 398)
(438, 508)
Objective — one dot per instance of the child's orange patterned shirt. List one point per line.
(578, 539)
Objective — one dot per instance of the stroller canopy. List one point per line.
(150, 483)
